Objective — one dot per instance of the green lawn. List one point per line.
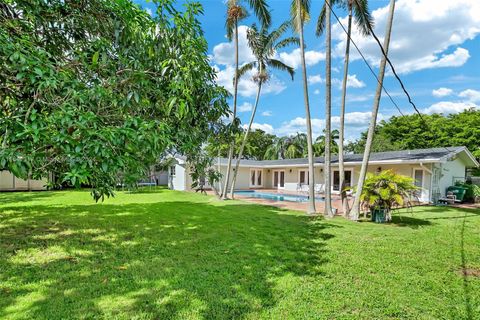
(173, 255)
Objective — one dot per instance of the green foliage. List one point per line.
(106, 94)
(386, 190)
(162, 254)
(472, 190)
(409, 132)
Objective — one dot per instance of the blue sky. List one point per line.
(435, 47)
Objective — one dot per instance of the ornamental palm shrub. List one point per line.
(386, 190)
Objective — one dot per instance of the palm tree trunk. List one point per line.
(373, 121)
(328, 111)
(311, 176)
(341, 137)
(235, 93)
(244, 142)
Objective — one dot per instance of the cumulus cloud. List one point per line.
(267, 113)
(245, 107)
(316, 91)
(224, 53)
(262, 126)
(470, 95)
(315, 79)
(293, 58)
(449, 107)
(246, 86)
(352, 81)
(426, 34)
(442, 92)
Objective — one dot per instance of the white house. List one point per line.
(433, 169)
(8, 182)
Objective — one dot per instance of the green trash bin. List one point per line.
(378, 215)
(459, 192)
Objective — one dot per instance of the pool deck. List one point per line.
(290, 205)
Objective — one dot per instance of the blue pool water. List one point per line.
(274, 196)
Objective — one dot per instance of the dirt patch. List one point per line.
(469, 272)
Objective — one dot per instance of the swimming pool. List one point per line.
(274, 196)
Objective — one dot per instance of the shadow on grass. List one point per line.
(23, 196)
(160, 260)
(411, 222)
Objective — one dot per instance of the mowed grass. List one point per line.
(171, 255)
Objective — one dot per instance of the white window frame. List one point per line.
(307, 177)
(256, 179)
(273, 179)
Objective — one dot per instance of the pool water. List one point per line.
(274, 196)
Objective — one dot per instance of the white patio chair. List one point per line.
(319, 188)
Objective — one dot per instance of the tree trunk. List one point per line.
(245, 137)
(311, 176)
(235, 93)
(373, 121)
(341, 137)
(328, 111)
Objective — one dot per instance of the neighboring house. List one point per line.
(433, 170)
(8, 182)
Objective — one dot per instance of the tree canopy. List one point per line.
(436, 130)
(95, 91)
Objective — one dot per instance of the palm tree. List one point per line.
(264, 45)
(373, 120)
(364, 22)
(235, 13)
(300, 13)
(320, 142)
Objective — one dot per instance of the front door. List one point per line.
(279, 179)
(256, 178)
(418, 176)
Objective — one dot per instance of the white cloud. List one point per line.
(317, 91)
(245, 107)
(356, 119)
(471, 95)
(267, 113)
(262, 126)
(293, 58)
(426, 34)
(315, 79)
(449, 107)
(224, 53)
(442, 92)
(149, 11)
(246, 86)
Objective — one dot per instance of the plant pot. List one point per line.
(379, 215)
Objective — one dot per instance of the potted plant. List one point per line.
(385, 190)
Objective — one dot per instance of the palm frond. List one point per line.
(363, 18)
(299, 13)
(279, 65)
(245, 68)
(287, 42)
(262, 11)
(273, 36)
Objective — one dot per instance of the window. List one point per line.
(256, 178)
(172, 170)
(303, 177)
(418, 176)
(336, 179)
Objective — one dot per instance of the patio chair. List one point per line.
(302, 187)
(319, 188)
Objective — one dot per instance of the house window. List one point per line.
(418, 177)
(336, 179)
(172, 171)
(256, 178)
(303, 177)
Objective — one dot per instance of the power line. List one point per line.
(365, 60)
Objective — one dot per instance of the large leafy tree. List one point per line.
(95, 91)
(264, 45)
(236, 12)
(429, 131)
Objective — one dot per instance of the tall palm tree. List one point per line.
(300, 13)
(235, 13)
(264, 45)
(364, 22)
(376, 103)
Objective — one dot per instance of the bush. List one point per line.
(472, 190)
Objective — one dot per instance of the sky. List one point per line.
(435, 48)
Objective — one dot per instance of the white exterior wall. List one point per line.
(8, 182)
(177, 181)
(450, 171)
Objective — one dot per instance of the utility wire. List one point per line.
(364, 59)
(391, 66)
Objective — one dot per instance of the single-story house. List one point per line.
(8, 182)
(434, 170)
